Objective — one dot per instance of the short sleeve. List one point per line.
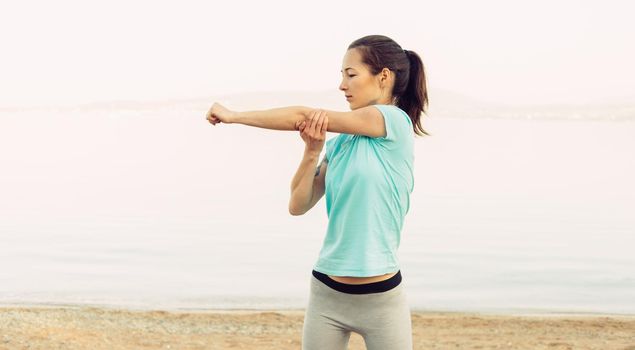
(329, 148)
(396, 121)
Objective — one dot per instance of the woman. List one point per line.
(356, 284)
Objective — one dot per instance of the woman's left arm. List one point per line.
(367, 120)
(283, 118)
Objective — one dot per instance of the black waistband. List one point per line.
(366, 288)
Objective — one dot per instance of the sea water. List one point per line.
(158, 209)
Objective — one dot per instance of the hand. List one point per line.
(313, 131)
(217, 114)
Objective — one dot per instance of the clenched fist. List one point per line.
(218, 113)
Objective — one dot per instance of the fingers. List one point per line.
(306, 125)
(313, 121)
(213, 120)
(310, 124)
(317, 125)
(210, 116)
(321, 123)
(325, 124)
(301, 125)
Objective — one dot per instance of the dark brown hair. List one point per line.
(410, 90)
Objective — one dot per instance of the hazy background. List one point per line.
(564, 51)
(115, 190)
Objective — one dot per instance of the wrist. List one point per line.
(233, 117)
(313, 154)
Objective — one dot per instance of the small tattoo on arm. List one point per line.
(317, 171)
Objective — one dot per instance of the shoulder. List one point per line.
(398, 125)
(394, 112)
(367, 121)
(372, 120)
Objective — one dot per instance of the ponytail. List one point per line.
(414, 100)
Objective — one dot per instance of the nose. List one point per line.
(342, 86)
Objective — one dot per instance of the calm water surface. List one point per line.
(162, 210)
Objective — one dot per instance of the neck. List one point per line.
(384, 101)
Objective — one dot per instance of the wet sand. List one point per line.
(108, 328)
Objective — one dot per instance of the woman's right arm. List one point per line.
(307, 186)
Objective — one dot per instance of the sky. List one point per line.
(71, 52)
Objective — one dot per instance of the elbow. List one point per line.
(296, 211)
(293, 213)
(299, 203)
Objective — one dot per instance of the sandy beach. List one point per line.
(109, 328)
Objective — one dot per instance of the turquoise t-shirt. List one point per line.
(368, 184)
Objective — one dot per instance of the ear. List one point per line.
(384, 75)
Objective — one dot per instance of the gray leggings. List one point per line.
(382, 319)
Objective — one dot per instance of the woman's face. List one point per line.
(360, 87)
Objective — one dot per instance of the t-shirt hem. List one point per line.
(356, 273)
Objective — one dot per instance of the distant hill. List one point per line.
(443, 103)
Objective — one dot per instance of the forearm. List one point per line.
(302, 183)
(283, 118)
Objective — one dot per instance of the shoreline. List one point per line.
(484, 312)
(75, 327)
